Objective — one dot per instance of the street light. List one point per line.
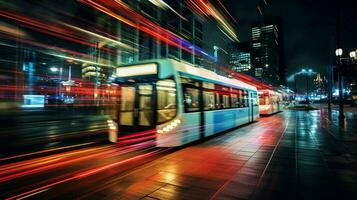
(339, 52)
(340, 92)
(53, 69)
(353, 55)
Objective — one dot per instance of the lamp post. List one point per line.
(353, 55)
(307, 73)
(338, 53)
(295, 88)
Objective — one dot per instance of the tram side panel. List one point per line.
(220, 120)
(190, 129)
(269, 102)
(256, 112)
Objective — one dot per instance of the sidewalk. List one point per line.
(347, 108)
(316, 159)
(291, 155)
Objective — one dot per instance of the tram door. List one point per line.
(251, 107)
(136, 110)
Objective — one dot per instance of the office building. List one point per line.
(267, 51)
(240, 58)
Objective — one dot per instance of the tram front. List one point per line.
(147, 99)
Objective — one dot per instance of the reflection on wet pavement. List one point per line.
(291, 155)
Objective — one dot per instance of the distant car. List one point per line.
(353, 98)
(305, 102)
(58, 100)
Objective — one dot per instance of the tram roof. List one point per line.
(209, 76)
(197, 72)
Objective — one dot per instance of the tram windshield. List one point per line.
(264, 99)
(166, 100)
(138, 103)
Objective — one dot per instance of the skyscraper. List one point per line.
(240, 58)
(267, 51)
(320, 84)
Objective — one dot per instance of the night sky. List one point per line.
(309, 28)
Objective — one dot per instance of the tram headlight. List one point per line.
(113, 127)
(170, 126)
(111, 124)
(113, 130)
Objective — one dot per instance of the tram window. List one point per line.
(261, 100)
(191, 99)
(209, 100)
(127, 105)
(189, 82)
(208, 85)
(264, 99)
(218, 101)
(234, 99)
(241, 99)
(267, 100)
(166, 100)
(255, 99)
(245, 96)
(225, 101)
(223, 96)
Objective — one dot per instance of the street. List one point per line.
(178, 99)
(290, 155)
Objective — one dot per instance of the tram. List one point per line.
(179, 102)
(270, 102)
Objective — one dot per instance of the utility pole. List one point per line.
(307, 87)
(329, 93)
(339, 62)
(295, 86)
(341, 115)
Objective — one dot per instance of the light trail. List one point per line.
(120, 44)
(163, 5)
(44, 151)
(55, 30)
(225, 9)
(24, 168)
(28, 164)
(44, 46)
(83, 174)
(141, 23)
(205, 8)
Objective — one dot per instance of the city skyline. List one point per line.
(309, 26)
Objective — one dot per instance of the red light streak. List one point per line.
(106, 167)
(135, 20)
(12, 171)
(225, 9)
(206, 9)
(50, 29)
(248, 79)
(44, 151)
(16, 170)
(138, 134)
(82, 175)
